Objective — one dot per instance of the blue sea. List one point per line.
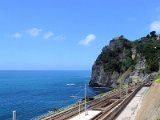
(33, 93)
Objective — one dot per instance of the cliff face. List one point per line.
(126, 60)
(101, 78)
(113, 60)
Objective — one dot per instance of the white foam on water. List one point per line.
(70, 84)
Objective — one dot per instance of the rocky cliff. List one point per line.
(126, 60)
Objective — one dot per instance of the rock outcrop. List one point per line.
(101, 78)
(107, 67)
(126, 60)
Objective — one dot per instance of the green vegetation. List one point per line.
(118, 58)
(149, 47)
(157, 80)
(125, 74)
(118, 55)
(88, 98)
(55, 109)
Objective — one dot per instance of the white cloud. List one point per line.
(48, 35)
(59, 37)
(88, 39)
(155, 26)
(34, 32)
(17, 35)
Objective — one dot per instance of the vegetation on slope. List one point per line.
(157, 80)
(149, 47)
(119, 57)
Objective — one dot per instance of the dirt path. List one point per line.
(150, 107)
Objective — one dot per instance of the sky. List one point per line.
(68, 34)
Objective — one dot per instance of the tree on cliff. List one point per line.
(116, 58)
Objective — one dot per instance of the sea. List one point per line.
(34, 93)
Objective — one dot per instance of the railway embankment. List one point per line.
(150, 107)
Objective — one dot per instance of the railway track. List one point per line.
(105, 102)
(111, 111)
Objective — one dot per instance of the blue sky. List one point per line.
(68, 34)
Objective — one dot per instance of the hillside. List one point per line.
(126, 59)
(150, 108)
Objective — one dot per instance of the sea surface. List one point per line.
(33, 93)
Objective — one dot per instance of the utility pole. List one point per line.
(14, 115)
(126, 88)
(85, 101)
(135, 85)
(158, 60)
(79, 109)
(159, 64)
(120, 89)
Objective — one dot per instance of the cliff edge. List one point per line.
(126, 61)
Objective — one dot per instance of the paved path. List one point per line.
(131, 109)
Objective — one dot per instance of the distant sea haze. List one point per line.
(33, 93)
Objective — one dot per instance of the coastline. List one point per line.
(26, 91)
(74, 104)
